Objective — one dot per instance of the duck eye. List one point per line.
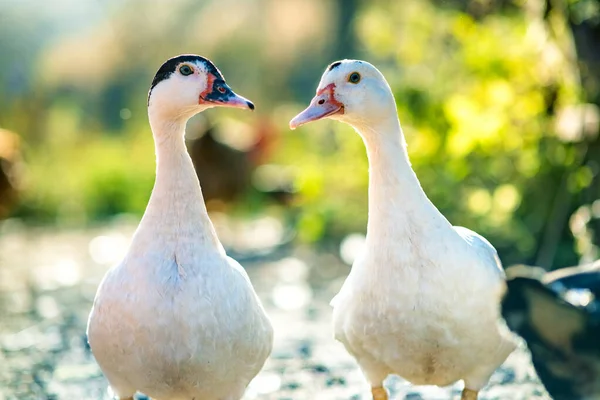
(354, 77)
(221, 89)
(185, 70)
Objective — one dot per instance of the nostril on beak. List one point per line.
(250, 105)
(321, 102)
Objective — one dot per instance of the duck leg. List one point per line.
(379, 393)
(468, 394)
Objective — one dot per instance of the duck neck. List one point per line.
(397, 203)
(176, 213)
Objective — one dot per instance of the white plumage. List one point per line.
(177, 319)
(422, 301)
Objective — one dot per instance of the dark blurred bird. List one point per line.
(227, 173)
(558, 315)
(224, 172)
(10, 162)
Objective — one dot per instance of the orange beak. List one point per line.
(321, 106)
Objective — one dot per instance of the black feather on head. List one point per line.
(169, 66)
(334, 65)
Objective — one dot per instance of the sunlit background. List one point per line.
(498, 100)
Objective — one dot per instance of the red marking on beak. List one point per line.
(210, 79)
(321, 106)
(329, 89)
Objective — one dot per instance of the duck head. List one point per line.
(188, 84)
(351, 91)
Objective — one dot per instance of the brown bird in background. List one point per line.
(10, 163)
(558, 315)
(226, 171)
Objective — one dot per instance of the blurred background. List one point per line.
(499, 101)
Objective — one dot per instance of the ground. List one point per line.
(48, 279)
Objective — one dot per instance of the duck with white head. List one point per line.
(178, 319)
(422, 301)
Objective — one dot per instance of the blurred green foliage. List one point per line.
(487, 92)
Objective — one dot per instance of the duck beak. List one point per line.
(220, 94)
(236, 101)
(321, 106)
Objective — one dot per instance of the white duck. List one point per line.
(177, 319)
(422, 301)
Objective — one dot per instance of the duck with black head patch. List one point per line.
(178, 319)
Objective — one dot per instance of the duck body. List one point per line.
(178, 319)
(184, 341)
(426, 314)
(558, 315)
(422, 301)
